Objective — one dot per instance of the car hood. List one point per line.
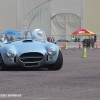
(32, 46)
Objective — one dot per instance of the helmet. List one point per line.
(38, 35)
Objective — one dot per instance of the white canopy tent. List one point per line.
(38, 17)
(55, 17)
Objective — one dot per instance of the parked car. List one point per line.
(63, 41)
(87, 42)
(31, 52)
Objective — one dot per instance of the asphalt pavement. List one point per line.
(78, 79)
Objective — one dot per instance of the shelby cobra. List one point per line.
(35, 51)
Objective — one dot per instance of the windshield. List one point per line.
(34, 35)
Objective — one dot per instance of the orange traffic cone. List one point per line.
(96, 46)
(63, 46)
(79, 46)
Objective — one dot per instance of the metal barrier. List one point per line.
(67, 38)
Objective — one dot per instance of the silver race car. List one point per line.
(32, 50)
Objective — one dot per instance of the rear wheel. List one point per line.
(58, 64)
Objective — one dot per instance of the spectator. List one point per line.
(11, 38)
(73, 39)
(6, 38)
(78, 39)
(52, 40)
(48, 39)
(95, 38)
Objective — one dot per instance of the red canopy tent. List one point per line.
(83, 32)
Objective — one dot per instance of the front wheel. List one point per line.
(58, 64)
(2, 65)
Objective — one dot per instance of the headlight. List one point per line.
(51, 51)
(10, 53)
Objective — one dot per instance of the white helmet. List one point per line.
(38, 35)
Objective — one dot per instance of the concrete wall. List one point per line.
(92, 15)
(7, 14)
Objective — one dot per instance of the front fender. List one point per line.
(49, 45)
(4, 50)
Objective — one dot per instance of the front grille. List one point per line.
(31, 57)
(31, 64)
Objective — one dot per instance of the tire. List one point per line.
(2, 65)
(58, 64)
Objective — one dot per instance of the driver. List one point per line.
(38, 35)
